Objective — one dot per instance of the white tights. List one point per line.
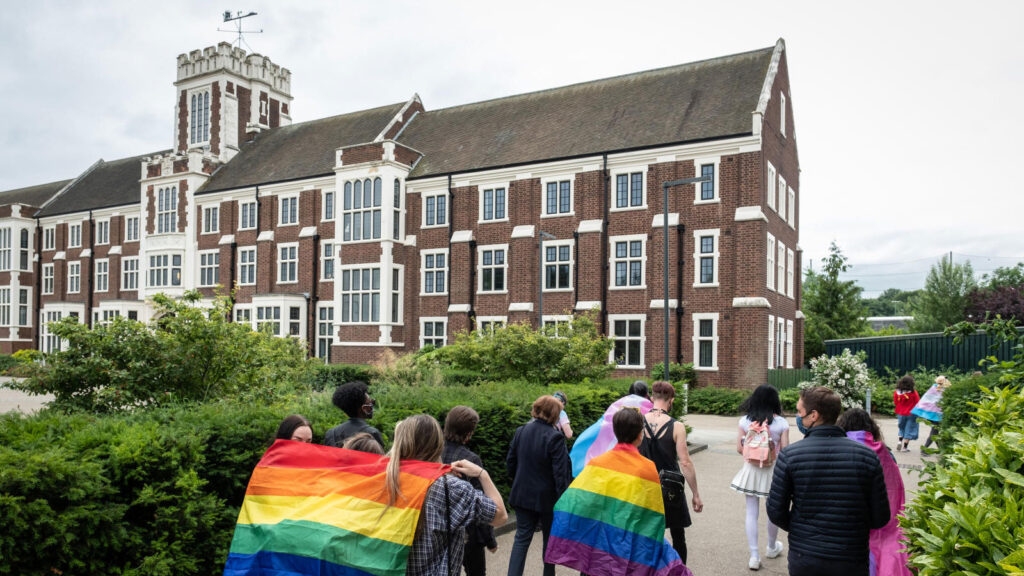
(753, 504)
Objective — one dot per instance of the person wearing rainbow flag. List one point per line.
(611, 519)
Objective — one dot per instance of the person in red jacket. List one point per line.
(905, 397)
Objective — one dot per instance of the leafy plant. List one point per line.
(944, 298)
(676, 372)
(720, 401)
(846, 374)
(832, 306)
(968, 517)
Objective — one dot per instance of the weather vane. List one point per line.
(237, 19)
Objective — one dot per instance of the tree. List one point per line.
(832, 306)
(892, 302)
(1004, 276)
(944, 299)
(1000, 294)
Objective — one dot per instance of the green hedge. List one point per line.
(157, 492)
(711, 400)
(330, 376)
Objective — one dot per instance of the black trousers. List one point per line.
(473, 560)
(804, 565)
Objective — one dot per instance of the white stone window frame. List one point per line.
(74, 277)
(49, 238)
(167, 219)
(780, 340)
(771, 183)
(253, 214)
(396, 295)
(242, 314)
(482, 192)
(558, 321)
(424, 320)
(715, 255)
(791, 213)
(572, 263)
(790, 263)
(771, 262)
(128, 273)
(280, 250)
(170, 268)
(488, 323)
(771, 342)
(202, 266)
(6, 248)
(326, 258)
(320, 335)
(447, 210)
(782, 197)
(326, 216)
(5, 306)
(243, 264)
(544, 196)
(75, 238)
(697, 339)
(211, 219)
(613, 188)
(284, 203)
(348, 217)
(24, 308)
(129, 228)
(780, 263)
(102, 275)
(612, 318)
(789, 343)
(355, 294)
(782, 113)
(48, 278)
(698, 164)
(202, 125)
(480, 268)
(103, 232)
(446, 269)
(612, 260)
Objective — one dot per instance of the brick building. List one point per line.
(395, 227)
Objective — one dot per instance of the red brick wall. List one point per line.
(244, 111)
(183, 121)
(215, 119)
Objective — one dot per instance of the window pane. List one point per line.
(636, 274)
(551, 277)
(620, 328)
(357, 194)
(499, 278)
(487, 257)
(707, 244)
(563, 276)
(487, 280)
(440, 282)
(636, 249)
(368, 225)
(620, 352)
(430, 211)
(367, 193)
(634, 328)
(442, 211)
(636, 190)
(552, 253)
(707, 270)
(563, 197)
(621, 191)
(705, 354)
(552, 198)
(706, 328)
(499, 203)
(376, 223)
(347, 202)
(376, 191)
(563, 253)
(634, 353)
(620, 273)
(620, 249)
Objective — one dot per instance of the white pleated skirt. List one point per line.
(753, 480)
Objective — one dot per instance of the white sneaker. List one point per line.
(754, 564)
(774, 551)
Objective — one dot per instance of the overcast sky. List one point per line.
(908, 115)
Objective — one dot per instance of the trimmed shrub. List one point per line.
(7, 361)
(846, 374)
(720, 401)
(789, 398)
(968, 517)
(330, 376)
(676, 372)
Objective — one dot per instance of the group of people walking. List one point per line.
(836, 492)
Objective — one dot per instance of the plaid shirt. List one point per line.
(431, 552)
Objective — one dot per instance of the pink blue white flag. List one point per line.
(599, 437)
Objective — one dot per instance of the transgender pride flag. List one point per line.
(313, 509)
(599, 437)
(611, 520)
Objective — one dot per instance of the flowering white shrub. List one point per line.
(846, 374)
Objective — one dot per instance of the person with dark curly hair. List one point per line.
(352, 399)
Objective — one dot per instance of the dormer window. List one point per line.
(199, 117)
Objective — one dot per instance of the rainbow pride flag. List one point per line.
(312, 509)
(611, 520)
(599, 437)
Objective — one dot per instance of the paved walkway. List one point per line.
(717, 541)
(19, 401)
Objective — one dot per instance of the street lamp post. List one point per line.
(541, 235)
(664, 188)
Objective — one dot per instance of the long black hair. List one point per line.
(856, 419)
(762, 404)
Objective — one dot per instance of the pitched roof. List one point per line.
(106, 184)
(300, 150)
(690, 102)
(33, 195)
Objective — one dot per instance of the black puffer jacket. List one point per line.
(828, 492)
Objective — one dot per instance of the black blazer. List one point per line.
(538, 464)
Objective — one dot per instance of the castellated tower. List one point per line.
(223, 96)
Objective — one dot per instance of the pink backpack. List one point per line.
(758, 447)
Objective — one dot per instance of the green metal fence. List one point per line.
(933, 351)
(785, 378)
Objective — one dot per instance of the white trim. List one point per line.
(278, 260)
(493, 319)
(61, 255)
(253, 214)
(749, 213)
(771, 342)
(114, 250)
(458, 308)
(461, 236)
(97, 223)
(423, 208)
(87, 253)
(202, 210)
(586, 226)
(716, 162)
(766, 88)
(433, 320)
(629, 238)
(789, 343)
(660, 303)
(697, 255)
(281, 198)
(588, 305)
(790, 261)
(410, 240)
(254, 264)
(544, 263)
(520, 307)
(770, 261)
(480, 268)
(502, 185)
(523, 231)
(323, 212)
(780, 265)
(613, 187)
(227, 239)
(673, 220)
(557, 180)
(751, 302)
(800, 315)
(782, 113)
(791, 209)
(96, 275)
(266, 236)
(771, 183)
(780, 206)
(697, 340)
(612, 318)
(199, 267)
(307, 232)
(446, 269)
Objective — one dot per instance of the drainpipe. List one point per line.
(472, 284)
(258, 206)
(451, 231)
(92, 259)
(604, 246)
(680, 260)
(576, 269)
(38, 321)
(314, 297)
(231, 278)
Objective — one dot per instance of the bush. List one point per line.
(968, 517)
(846, 374)
(7, 361)
(676, 372)
(789, 398)
(330, 376)
(720, 401)
(189, 352)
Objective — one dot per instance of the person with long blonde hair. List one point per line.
(451, 502)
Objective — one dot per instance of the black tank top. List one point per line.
(662, 448)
